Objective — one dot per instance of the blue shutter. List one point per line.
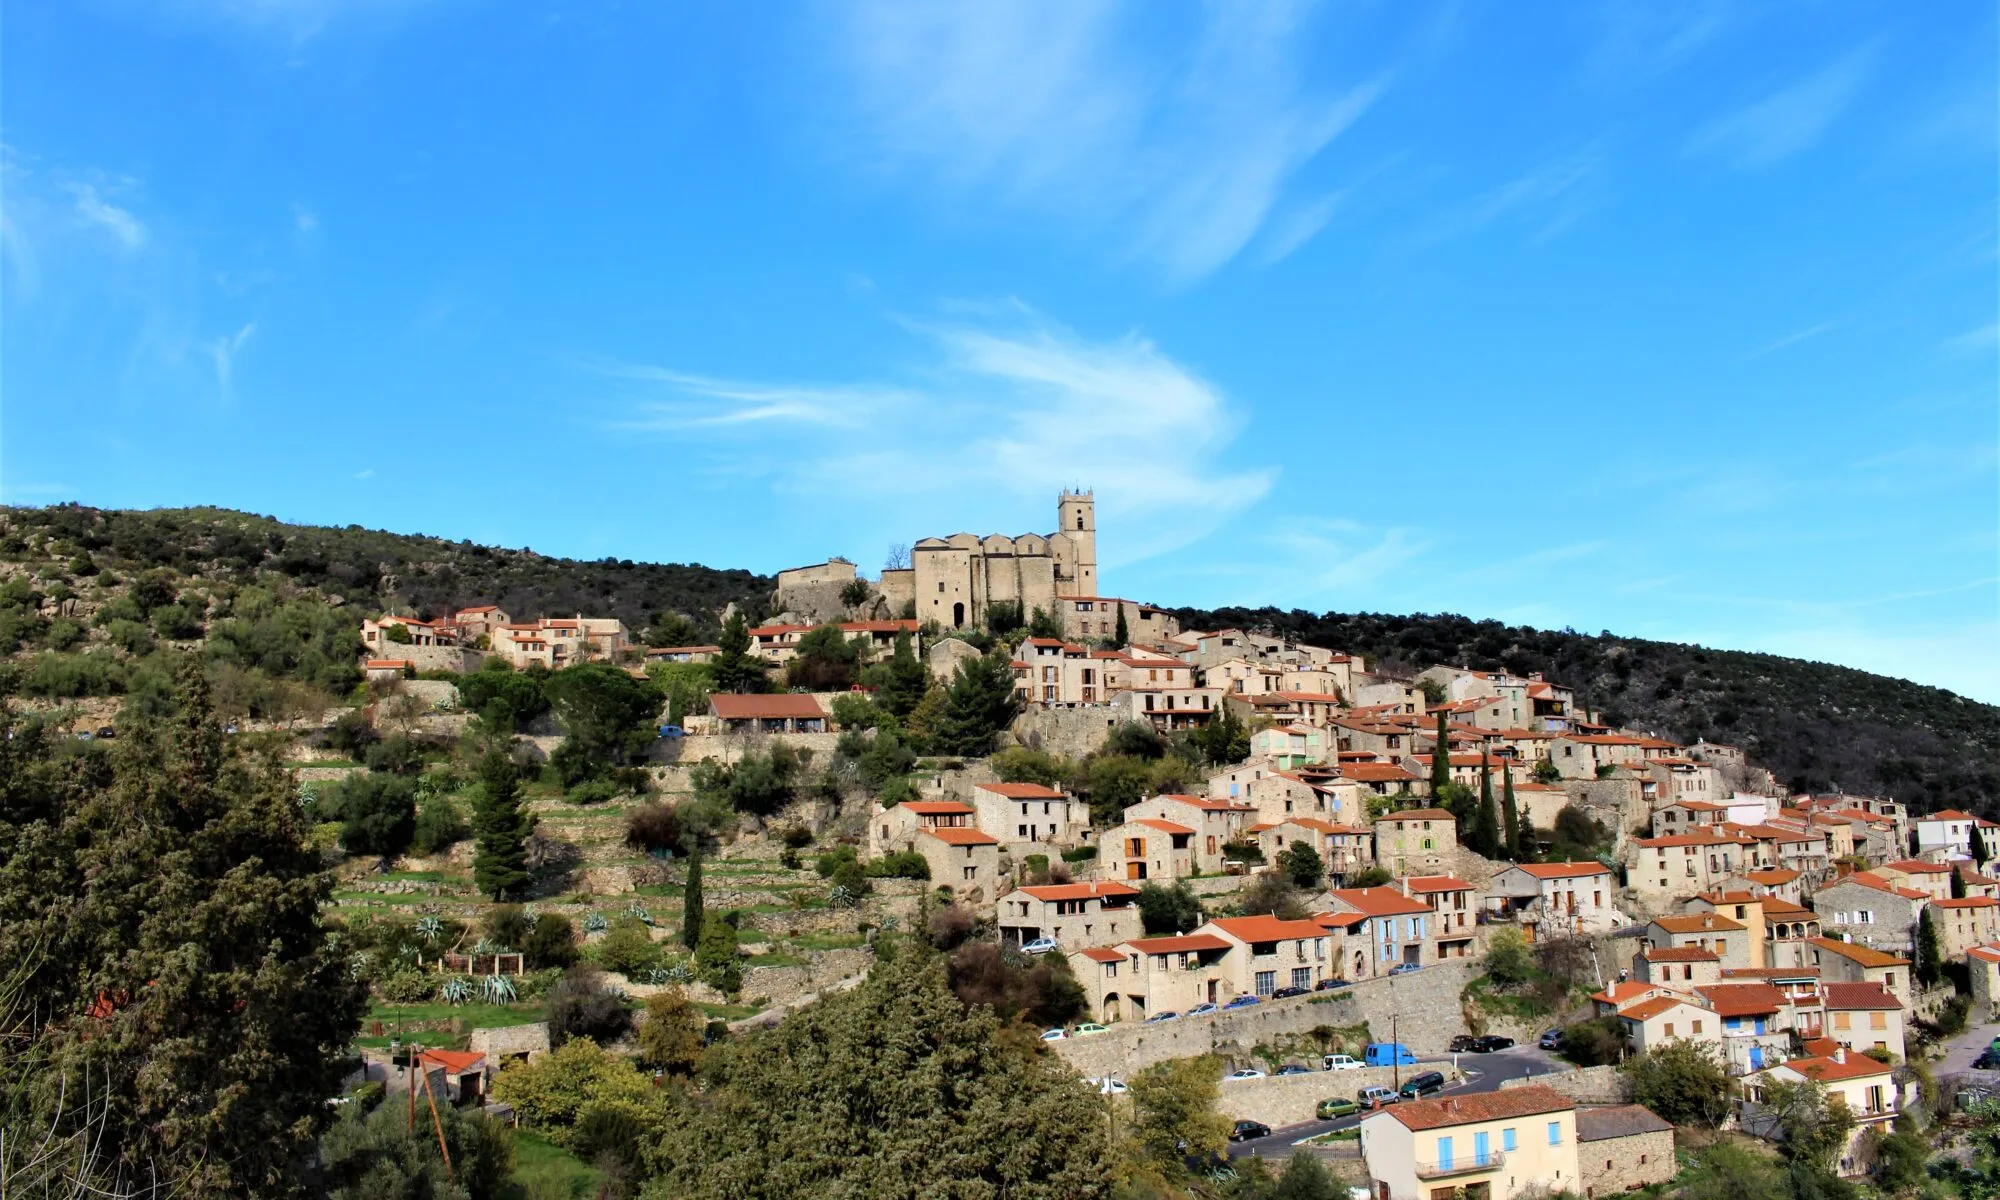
(1481, 1154)
(1444, 1154)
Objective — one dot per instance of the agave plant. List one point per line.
(656, 976)
(488, 946)
(456, 990)
(358, 964)
(596, 923)
(430, 929)
(679, 972)
(891, 923)
(498, 989)
(637, 909)
(840, 897)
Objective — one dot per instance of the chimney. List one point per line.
(1840, 1056)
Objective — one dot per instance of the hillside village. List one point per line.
(1450, 908)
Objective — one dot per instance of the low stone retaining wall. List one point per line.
(1423, 1008)
(1585, 1085)
(1282, 1100)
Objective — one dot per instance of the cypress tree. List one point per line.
(691, 903)
(1957, 883)
(1930, 957)
(500, 866)
(1440, 759)
(1978, 849)
(1511, 813)
(1486, 823)
(1121, 635)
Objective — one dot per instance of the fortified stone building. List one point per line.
(955, 580)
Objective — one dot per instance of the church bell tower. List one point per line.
(1076, 520)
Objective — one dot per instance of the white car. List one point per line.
(1341, 1062)
(1245, 1073)
(1054, 1035)
(1108, 1086)
(1039, 946)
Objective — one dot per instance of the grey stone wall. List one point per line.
(1615, 802)
(1423, 1008)
(1071, 731)
(1614, 1165)
(1585, 1085)
(501, 1041)
(1282, 1100)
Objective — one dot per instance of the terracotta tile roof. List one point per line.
(1162, 826)
(1646, 1010)
(1184, 944)
(1348, 920)
(1379, 901)
(1625, 992)
(388, 664)
(1266, 928)
(1968, 902)
(1771, 878)
(1742, 999)
(1103, 954)
(962, 837)
(1080, 891)
(1698, 923)
(1858, 996)
(455, 1062)
(1596, 1124)
(1437, 883)
(1831, 1068)
(1563, 870)
(1681, 954)
(1367, 772)
(1785, 909)
(1205, 803)
(1447, 1111)
(1949, 814)
(1770, 973)
(1022, 791)
(1417, 814)
(1987, 953)
(732, 707)
(1860, 955)
(1915, 866)
(1704, 838)
(938, 808)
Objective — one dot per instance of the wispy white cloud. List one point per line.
(94, 209)
(1794, 338)
(1636, 40)
(1975, 341)
(304, 219)
(1002, 411)
(365, 473)
(1788, 121)
(223, 351)
(1065, 110)
(1549, 198)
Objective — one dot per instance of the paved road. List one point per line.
(1961, 1050)
(1483, 1073)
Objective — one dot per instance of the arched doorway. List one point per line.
(958, 614)
(1111, 1008)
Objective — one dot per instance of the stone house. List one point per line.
(1671, 1017)
(479, 621)
(1964, 923)
(1146, 848)
(1233, 783)
(1932, 879)
(1454, 912)
(1685, 779)
(416, 632)
(1788, 933)
(1377, 737)
(1416, 841)
(1985, 964)
(1683, 967)
(1845, 962)
(1755, 1023)
(1394, 930)
(1290, 745)
(1074, 914)
(1147, 976)
(1661, 870)
(956, 580)
(965, 860)
(1215, 823)
(1778, 882)
(1706, 930)
(387, 670)
(1169, 710)
(1483, 1146)
(1550, 899)
(1862, 1016)
(1030, 813)
(1384, 778)
(793, 712)
(1746, 909)
(1950, 831)
(1684, 815)
(1866, 1087)
(1623, 1147)
(1579, 755)
(894, 829)
(1269, 953)
(1870, 910)
(681, 654)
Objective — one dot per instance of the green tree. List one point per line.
(1515, 848)
(505, 699)
(377, 813)
(1508, 963)
(1225, 739)
(1043, 624)
(691, 900)
(381, 1155)
(501, 827)
(399, 634)
(557, 1092)
(1979, 851)
(1598, 1042)
(1301, 864)
(825, 661)
(736, 669)
(1810, 1126)
(1441, 757)
(1173, 1110)
(893, 1088)
(161, 906)
(1120, 635)
(1485, 832)
(904, 680)
(1929, 965)
(669, 628)
(1547, 772)
(1167, 909)
(1957, 884)
(1307, 1178)
(670, 1036)
(1729, 1170)
(980, 703)
(1683, 1082)
(607, 715)
(716, 957)
(686, 686)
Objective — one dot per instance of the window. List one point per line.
(1841, 1020)
(1267, 982)
(1878, 1020)
(1506, 1139)
(971, 873)
(1302, 977)
(1697, 1028)
(1555, 1133)
(1670, 1033)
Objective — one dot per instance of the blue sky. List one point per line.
(1671, 319)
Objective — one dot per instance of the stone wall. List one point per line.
(1585, 1085)
(1070, 731)
(1611, 1166)
(1282, 1100)
(1423, 1008)
(785, 987)
(432, 658)
(1615, 802)
(504, 1040)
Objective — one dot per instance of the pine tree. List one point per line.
(1121, 636)
(1510, 812)
(691, 900)
(1957, 883)
(979, 704)
(1930, 956)
(1979, 853)
(1441, 758)
(906, 679)
(1486, 823)
(502, 826)
(736, 669)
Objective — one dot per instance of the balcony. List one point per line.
(1470, 1164)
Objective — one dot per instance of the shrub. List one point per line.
(795, 837)
(1243, 852)
(1683, 1083)
(439, 826)
(506, 925)
(1595, 1043)
(627, 949)
(905, 864)
(716, 957)
(377, 813)
(549, 942)
(654, 826)
(555, 1093)
(397, 756)
(830, 861)
(582, 1005)
(1507, 960)
(1035, 868)
(591, 791)
(351, 733)
(1077, 854)
(406, 985)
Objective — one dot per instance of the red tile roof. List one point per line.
(1022, 791)
(1646, 1010)
(1859, 996)
(1563, 870)
(1832, 1069)
(1417, 814)
(1080, 891)
(1103, 954)
(1186, 943)
(937, 808)
(1861, 955)
(455, 1062)
(1681, 954)
(1698, 923)
(1379, 901)
(1437, 883)
(1742, 999)
(1266, 929)
(1447, 1111)
(962, 837)
(1162, 826)
(731, 707)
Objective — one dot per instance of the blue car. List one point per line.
(672, 731)
(1405, 969)
(1201, 1010)
(1244, 1001)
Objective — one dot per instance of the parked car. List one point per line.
(1055, 1035)
(1376, 1097)
(1294, 1069)
(1327, 985)
(1551, 1040)
(1988, 1060)
(1423, 1084)
(1158, 1017)
(1387, 1054)
(1249, 1131)
(1334, 1107)
(1341, 1062)
(1405, 968)
(1108, 1086)
(1088, 1028)
(1244, 1001)
(1039, 946)
(1462, 1043)
(1202, 1010)
(1490, 1043)
(1245, 1073)
(672, 731)
(106, 731)
(1286, 993)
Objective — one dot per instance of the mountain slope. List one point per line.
(1816, 726)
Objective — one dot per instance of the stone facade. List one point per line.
(504, 1042)
(1623, 1148)
(958, 578)
(1585, 1085)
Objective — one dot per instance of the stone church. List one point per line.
(955, 580)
